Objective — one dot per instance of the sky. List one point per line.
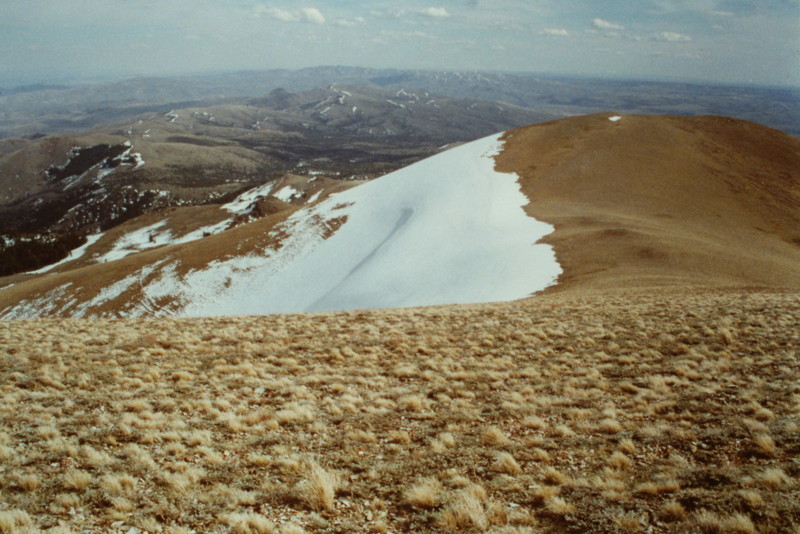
(726, 41)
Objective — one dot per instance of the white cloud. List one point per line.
(558, 32)
(388, 13)
(350, 23)
(672, 37)
(274, 12)
(306, 14)
(312, 14)
(435, 12)
(605, 25)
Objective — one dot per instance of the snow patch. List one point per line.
(137, 241)
(205, 231)
(287, 193)
(242, 203)
(446, 230)
(73, 255)
(314, 197)
(116, 289)
(47, 304)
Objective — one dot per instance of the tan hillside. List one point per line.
(651, 200)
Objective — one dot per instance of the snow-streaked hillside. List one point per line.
(446, 230)
(636, 202)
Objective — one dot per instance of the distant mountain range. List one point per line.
(44, 110)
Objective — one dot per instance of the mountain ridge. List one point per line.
(84, 183)
(636, 201)
(86, 106)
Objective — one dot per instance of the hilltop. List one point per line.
(642, 200)
(642, 411)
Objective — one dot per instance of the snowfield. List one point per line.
(446, 230)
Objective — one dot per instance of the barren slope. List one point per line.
(653, 200)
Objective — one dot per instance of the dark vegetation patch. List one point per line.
(81, 159)
(20, 253)
(199, 141)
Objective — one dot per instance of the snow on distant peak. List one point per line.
(446, 230)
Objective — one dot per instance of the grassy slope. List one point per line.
(643, 395)
(674, 412)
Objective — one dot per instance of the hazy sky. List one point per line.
(740, 41)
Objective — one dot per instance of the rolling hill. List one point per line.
(636, 201)
(55, 190)
(646, 201)
(340, 131)
(38, 110)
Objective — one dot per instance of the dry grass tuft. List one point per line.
(318, 488)
(559, 506)
(77, 480)
(765, 445)
(713, 523)
(505, 463)
(12, 521)
(672, 511)
(618, 460)
(248, 523)
(468, 509)
(494, 437)
(610, 426)
(774, 477)
(426, 494)
(555, 477)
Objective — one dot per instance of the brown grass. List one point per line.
(663, 201)
(600, 413)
